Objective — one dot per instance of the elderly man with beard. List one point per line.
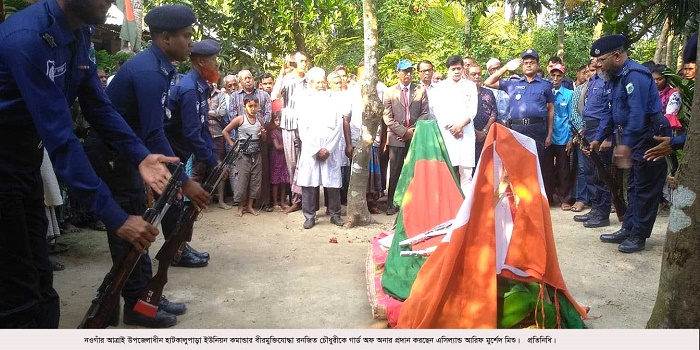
(187, 129)
(44, 63)
(321, 124)
(637, 117)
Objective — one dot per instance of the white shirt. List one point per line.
(451, 103)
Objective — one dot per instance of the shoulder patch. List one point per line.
(630, 88)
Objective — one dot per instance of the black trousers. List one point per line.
(561, 180)
(127, 189)
(27, 296)
(397, 156)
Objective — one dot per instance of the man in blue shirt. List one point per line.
(187, 129)
(44, 67)
(636, 114)
(531, 104)
(596, 108)
(558, 154)
(137, 92)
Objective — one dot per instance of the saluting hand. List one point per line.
(154, 172)
(138, 232)
(514, 64)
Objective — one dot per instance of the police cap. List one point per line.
(608, 43)
(530, 53)
(206, 47)
(169, 17)
(690, 51)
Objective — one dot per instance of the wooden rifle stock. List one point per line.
(109, 292)
(604, 174)
(147, 305)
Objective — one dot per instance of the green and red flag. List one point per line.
(428, 194)
(129, 32)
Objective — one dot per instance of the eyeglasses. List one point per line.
(406, 71)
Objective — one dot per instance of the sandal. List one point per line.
(565, 206)
(577, 207)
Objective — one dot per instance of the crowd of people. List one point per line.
(300, 129)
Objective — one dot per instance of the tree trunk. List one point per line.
(371, 116)
(661, 43)
(678, 300)
(138, 18)
(299, 40)
(670, 50)
(560, 28)
(468, 28)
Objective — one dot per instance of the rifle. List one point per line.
(604, 174)
(172, 249)
(109, 292)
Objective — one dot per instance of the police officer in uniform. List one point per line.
(531, 105)
(596, 108)
(187, 128)
(44, 67)
(138, 92)
(636, 117)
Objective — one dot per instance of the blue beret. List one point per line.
(530, 53)
(690, 51)
(607, 44)
(170, 17)
(206, 47)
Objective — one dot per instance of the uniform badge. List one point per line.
(629, 88)
(597, 51)
(517, 97)
(49, 40)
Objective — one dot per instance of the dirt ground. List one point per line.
(268, 272)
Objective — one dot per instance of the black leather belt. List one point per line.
(526, 121)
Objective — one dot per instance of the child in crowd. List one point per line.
(248, 167)
(279, 175)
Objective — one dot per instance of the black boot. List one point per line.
(174, 308)
(201, 255)
(162, 320)
(597, 221)
(616, 237)
(190, 260)
(632, 244)
(585, 217)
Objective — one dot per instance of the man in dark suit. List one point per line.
(404, 104)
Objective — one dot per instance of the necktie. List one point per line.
(407, 113)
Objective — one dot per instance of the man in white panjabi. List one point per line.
(320, 128)
(453, 103)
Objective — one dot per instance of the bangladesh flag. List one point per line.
(129, 30)
(428, 193)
